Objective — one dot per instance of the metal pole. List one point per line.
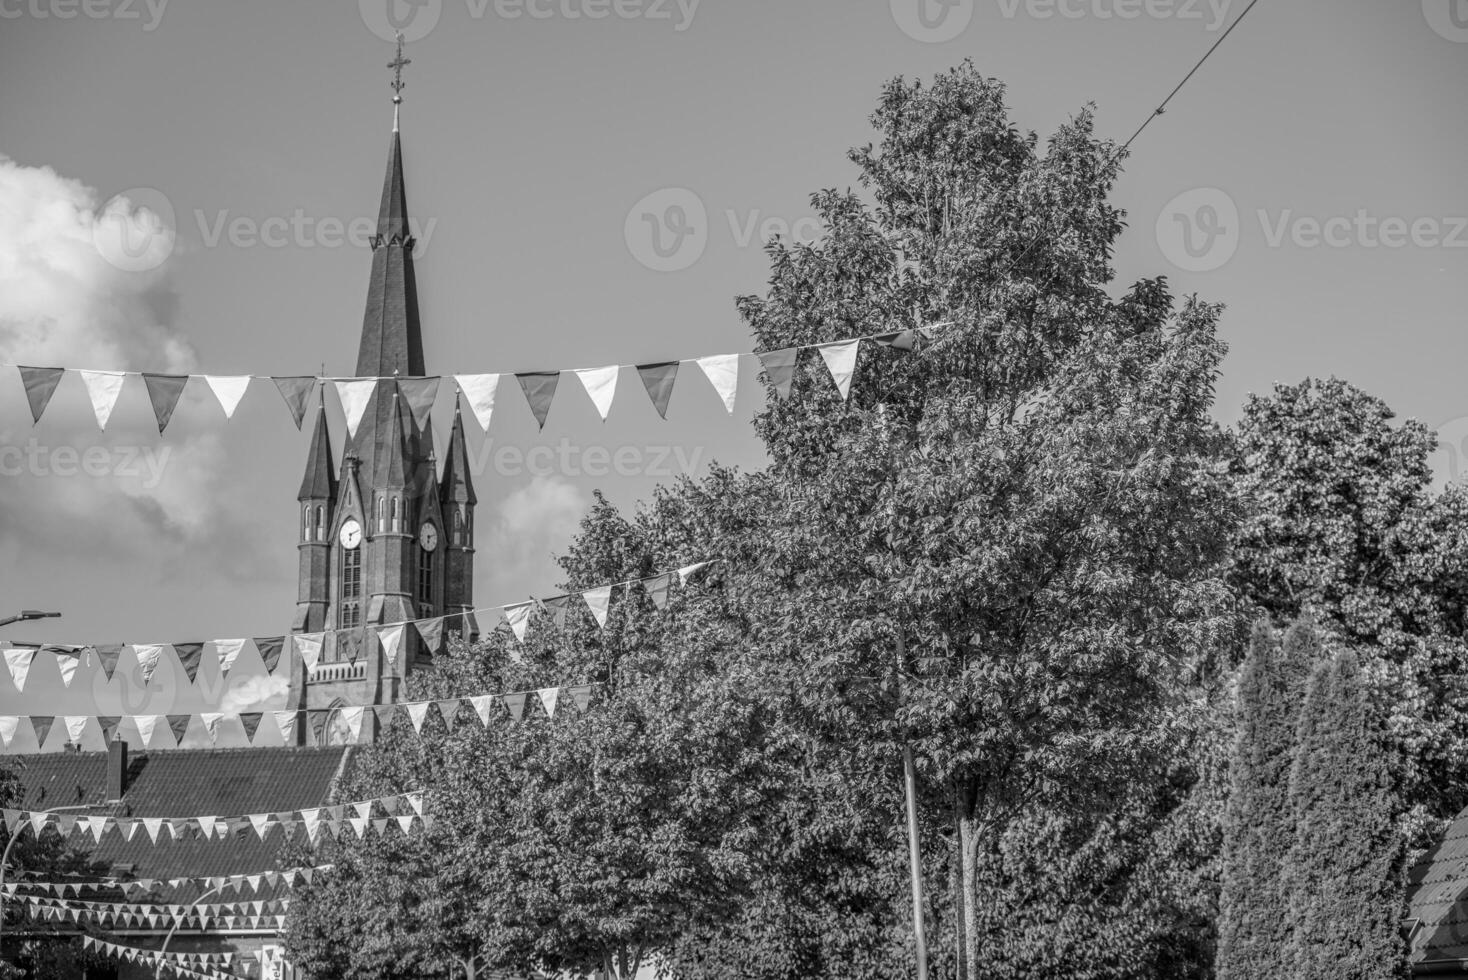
(914, 852)
(158, 970)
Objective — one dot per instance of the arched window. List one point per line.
(349, 605)
(425, 583)
(396, 524)
(306, 523)
(320, 523)
(381, 514)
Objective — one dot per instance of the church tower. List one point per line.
(389, 541)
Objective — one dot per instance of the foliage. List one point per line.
(1259, 823)
(1345, 870)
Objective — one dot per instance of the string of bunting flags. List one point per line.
(253, 882)
(246, 729)
(478, 390)
(277, 654)
(401, 810)
(118, 915)
(192, 965)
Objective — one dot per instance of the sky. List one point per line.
(591, 182)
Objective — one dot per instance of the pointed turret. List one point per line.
(395, 457)
(457, 498)
(319, 483)
(318, 498)
(457, 485)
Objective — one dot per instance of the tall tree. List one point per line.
(1259, 822)
(1345, 869)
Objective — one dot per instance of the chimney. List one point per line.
(116, 769)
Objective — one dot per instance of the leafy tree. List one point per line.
(1342, 526)
(1345, 870)
(1259, 823)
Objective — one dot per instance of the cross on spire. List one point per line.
(397, 65)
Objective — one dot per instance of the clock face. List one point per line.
(428, 537)
(351, 535)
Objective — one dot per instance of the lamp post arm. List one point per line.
(158, 971)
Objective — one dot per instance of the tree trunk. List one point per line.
(966, 798)
(959, 932)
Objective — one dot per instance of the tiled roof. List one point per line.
(186, 783)
(1437, 894)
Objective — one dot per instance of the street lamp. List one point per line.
(28, 614)
(163, 950)
(15, 836)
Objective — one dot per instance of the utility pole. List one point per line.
(914, 852)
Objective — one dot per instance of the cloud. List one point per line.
(534, 523)
(259, 693)
(86, 283)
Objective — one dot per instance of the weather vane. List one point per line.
(397, 65)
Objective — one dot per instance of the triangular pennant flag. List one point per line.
(449, 708)
(41, 725)
(148, 655)
(190, 656)
(841, 362)
(549, 696)
(229, 390)
(391, 638)
(355, 394)
(580, 696)
(19, 662)
(295, 391)
(9, 724)
(270, 648)
(153, 824)
(228, 652)
(415, 800)
(385, 714)
(722, 370)
(179, 724)
(66, 823)
(210, 720)
(67, 665)
(430, 631)
(285, 721)
(779, 368)
(598, 600)
(40, 384)
(39, 819)
(688, 571)
(103, 387)
(76, 725)
(518, 617)
(479, 391)
(405, 823)
(107, 655)
(146, 725)
(308, 648)
(482, 703)
(516, 704)
(417, 711)
(251, 722)
(420, 394)
(658, 379)
(557, 606)
(353, 716)
(540, 390)
(657, 589)
(108, 724)
(600, 384)
(164, 391)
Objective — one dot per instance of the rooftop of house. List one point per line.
(184, 783)
(1437, 895)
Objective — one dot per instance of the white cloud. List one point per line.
(259, 693)
(533, 524)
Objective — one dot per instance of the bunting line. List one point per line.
(237, 883)
(223, 729)
(278, 653)
(478, 390)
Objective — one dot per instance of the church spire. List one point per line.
(319, 483)
(392, 337)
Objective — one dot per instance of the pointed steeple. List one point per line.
(319, 483)
(394, 457)
(392, 336)
(457, 487)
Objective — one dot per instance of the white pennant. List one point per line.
(841, 362)
(148, 655)
(417, 711)
(67, 666)
(598, 600)
(9, 724)
(353, 717)
(285, 721)
(722, 370)
(308, 647)
(391, 638)
(229, 391)
(479, 391)
(146, 725)
(482, 704)
(76, 725)
(355, 394)
(601, 384)
(19, 662)
(210, 720)
(687, 571)
(518, 616)
(549, 696)
(103, 387)
(228, 652)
